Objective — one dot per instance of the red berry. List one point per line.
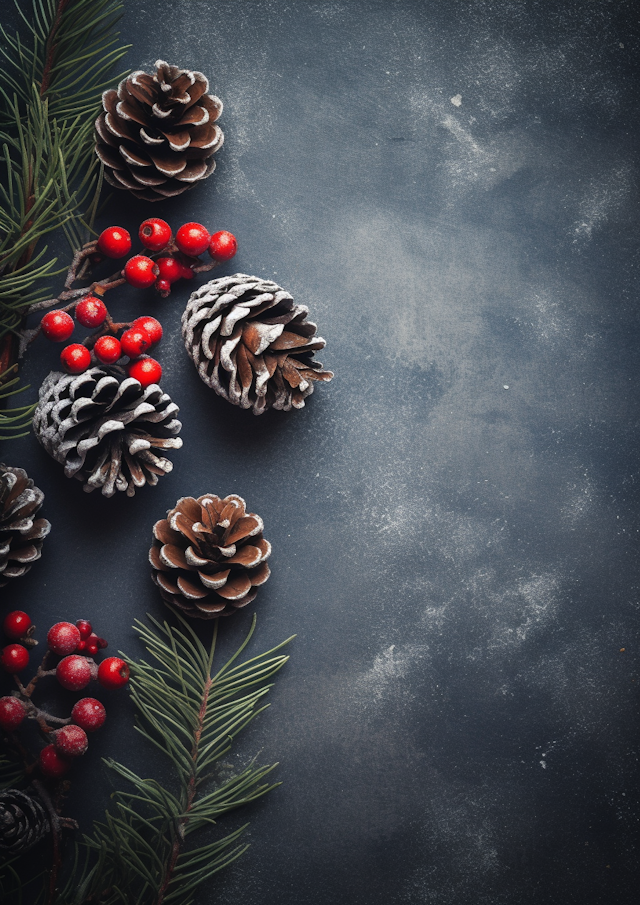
(170, 269)
(91, 311)
(14, 658)
(12, 713)
(63, 638)
(152, 326)
(74, 672)
(115, 242)
(113, 673)
(155, 234)
(52, 763)
(135, 341)
(108, 349)
(187, 272)
(71, 741)
(192, 239)
(88, 713)
(163, 286)
(223, 246)
(84, 627)
(146, 371)
(16, 624)
(75, 358)
(57, 326)
(140, 272)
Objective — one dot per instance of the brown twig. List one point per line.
(56, 823)
(51, 47)
(178, 842)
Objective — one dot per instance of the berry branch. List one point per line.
(169, 259)
(76, 645)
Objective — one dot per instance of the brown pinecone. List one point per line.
(252, 344)
(104, 427)
(23, 821)
(21, 535)
(209, 555)
(157, 134)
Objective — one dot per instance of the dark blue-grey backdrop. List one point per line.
(452, 189)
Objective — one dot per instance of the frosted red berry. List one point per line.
(135, 341)
(155, 234)
(74, 672)
(146, 371)
(114, 242)
(12, 713)
(163, 286)
(75, 358)
(57, 326)
(192, 239)
(16, 625)
(52, 763)
(84, 627)
(63, 638)
(107, 349)
(14, 658)
(89, 713)
(223, 245)
(71, 741)
(113, 673)
(169, 269)
(140, 272)
(151, 325)
(187, 272)
(91, 311)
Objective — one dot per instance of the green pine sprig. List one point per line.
(54, 72)
(143, 850)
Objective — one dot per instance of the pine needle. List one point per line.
(192, 713)
(54, 73)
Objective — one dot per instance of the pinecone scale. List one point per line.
(106, 429)
(252, 344)
(157, 133)
(23, 821)
(209, 556)
(21, 534)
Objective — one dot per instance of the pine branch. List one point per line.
(50, 94)
(192, 714)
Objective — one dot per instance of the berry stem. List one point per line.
(56, 823)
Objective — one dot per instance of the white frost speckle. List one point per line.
(456, 100)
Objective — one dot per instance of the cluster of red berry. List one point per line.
(178, 258)
(140, 335)
(181, 253)
(76, 645)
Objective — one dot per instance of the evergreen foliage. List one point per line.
(54, 73)
(143, 853)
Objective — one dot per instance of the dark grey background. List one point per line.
(452, 189)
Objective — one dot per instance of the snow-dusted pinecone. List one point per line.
(252, 344)
(104, 428)
(23, 821)
(209, 555)
(157, 134)
(21, 534)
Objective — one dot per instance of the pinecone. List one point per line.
(157, 134)
(23, 821)
(103, 427)
(21, 535)
(252, 344)
(209, 556)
